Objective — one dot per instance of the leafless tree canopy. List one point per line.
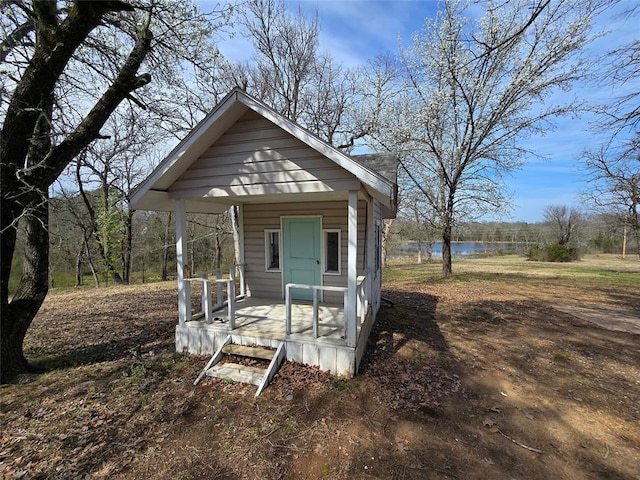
(613, 168)
(472, 90)
(562, 221)
(67, 67)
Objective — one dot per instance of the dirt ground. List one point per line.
(488, 374)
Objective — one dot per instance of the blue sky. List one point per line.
(354, 31)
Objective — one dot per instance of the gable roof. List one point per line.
(153, 193)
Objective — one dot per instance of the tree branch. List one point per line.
(15, 37)
(89, 129)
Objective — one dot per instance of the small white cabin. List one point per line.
(308, 275)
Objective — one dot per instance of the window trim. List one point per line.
(325, 251)
(267, 249)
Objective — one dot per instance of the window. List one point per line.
(332, 254)
(272, 250)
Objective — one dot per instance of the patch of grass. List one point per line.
(138, 372)
(596, 271)
(174, 363)
(339, 386)
(562, 356)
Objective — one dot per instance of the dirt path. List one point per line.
(610, 318)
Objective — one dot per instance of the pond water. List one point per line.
(458, 249)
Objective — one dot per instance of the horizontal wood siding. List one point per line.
(261, 217)
(257, 157)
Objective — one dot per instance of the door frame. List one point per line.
(284, 255)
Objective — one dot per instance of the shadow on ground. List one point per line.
(404, 317)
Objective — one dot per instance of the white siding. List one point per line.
(259, 217)
(257, 157)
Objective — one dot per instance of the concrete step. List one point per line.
(237, 373)
(247, 351)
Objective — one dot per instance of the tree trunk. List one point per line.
(26, 141)
(385, 241)
(127, 247)
(218, 252)
(12, 329)
(446, 250)
(34, 282)
(94, 273)
(11, 352)
(32, 290)
(79, 265)
(429, 251)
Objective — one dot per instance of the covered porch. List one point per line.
(312, 332)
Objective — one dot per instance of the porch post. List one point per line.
(371, 260)
(352, 271)
(184, 288)
(237, 222)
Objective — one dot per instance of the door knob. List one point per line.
(317, 262)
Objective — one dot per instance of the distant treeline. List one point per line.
(113, 245)
(591, 234)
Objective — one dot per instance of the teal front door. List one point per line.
(301, 254)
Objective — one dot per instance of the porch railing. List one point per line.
(315, 289)
(362, 293)
(208, 307)
(362, 306)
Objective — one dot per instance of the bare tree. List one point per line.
(473, 91)
(61, 58)
(75, 230)
(286, 47)
(291, 74)
(614, 182)
(563, 222)
(328, 102)
(105, 174)
(622, 68)
(613, 168)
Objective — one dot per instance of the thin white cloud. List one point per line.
(354, 31)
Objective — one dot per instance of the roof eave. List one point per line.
(221, 118)
(188, 147)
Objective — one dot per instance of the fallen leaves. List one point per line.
(493, 427)
(119, 403)
(402, 385)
